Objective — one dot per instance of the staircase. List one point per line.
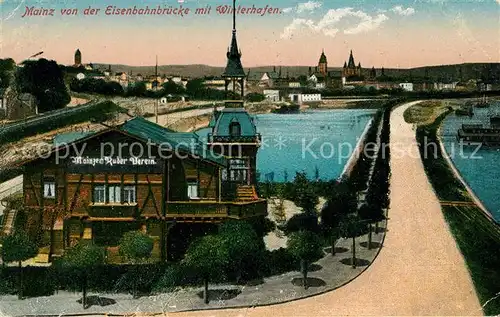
(8, 224)
(246, 193)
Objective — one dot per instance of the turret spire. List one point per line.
(234, 16)
(234, 72)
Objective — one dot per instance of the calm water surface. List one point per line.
(322, 140)
(481, 169)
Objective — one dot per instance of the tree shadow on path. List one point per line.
(359, 262)
(311, 282)
(95, 300)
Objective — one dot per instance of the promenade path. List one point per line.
(419, 270)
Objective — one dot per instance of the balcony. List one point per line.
(216, 210)
(252, 139)
(112, 211)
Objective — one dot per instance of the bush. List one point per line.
(279, 261)
(302, 221)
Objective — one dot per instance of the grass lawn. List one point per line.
(477, 237)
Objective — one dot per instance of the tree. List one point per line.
(170, 87)
(43, 79)
(371, 215)
(303, 193)
(80, 260)
(195, 86)
(7, 66)
(136, 247)
(341, 200)
(245, 248)
(138, 89)
(351, 227)
(302, 221)
(255, 97)
(306, 246)
(17, 248)
(207, 258)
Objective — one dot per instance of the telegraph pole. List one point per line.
(156, 89)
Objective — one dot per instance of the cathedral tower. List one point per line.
(323, 64)
(78, 58)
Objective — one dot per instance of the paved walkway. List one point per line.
(419, 271)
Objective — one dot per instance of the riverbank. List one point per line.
(476, 235)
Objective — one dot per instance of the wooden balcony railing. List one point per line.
(217, 209)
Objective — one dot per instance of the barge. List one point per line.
(477, 134)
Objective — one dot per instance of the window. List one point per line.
(99, 194)
(234, 129)
(49, 189)
(193, 190)
(129, 194)
(114, 192)
(238, 170)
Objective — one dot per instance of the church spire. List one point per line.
(351, 63)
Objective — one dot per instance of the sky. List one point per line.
(389, 33)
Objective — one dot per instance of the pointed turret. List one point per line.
(351, 63)
(234, 68)
(322, 58)
(345, 64)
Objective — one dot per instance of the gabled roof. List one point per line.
(185, 141)
(146, 130)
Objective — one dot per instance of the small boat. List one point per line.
(483, 103)
(466, 110)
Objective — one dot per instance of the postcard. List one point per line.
(249, 158)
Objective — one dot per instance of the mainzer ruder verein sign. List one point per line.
(111, 161)
(115, 164)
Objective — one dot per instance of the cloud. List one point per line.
(402, 11)
(308, 6)
(329, 23)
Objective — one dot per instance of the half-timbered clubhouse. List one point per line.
(141, 176)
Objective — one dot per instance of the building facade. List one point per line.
(136, 176)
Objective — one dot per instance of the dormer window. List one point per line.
(234, 129)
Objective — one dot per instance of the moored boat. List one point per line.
(477, 134)
(466, 110)
(483, 103)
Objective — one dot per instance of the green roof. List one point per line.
(240, 115)
(185, 141)
(70, 137)
(141, 128)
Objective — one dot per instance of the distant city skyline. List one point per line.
(392, 34)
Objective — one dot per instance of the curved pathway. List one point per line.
(419, 270)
